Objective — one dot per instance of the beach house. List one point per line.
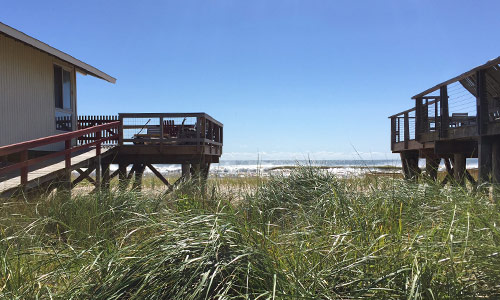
(43, 139)
(37, 88)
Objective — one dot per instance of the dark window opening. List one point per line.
(62, 97)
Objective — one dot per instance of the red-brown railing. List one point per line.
(173, 129)
(91, 121)
(22, 148)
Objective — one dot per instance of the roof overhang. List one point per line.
(463, 77)
(79, 65)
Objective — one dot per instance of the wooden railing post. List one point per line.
(445, 117)
(67, 164)
(418, 117)
(393, 132)
(24, 170)
(161, 131)
(407, 130)
(120, 130)
(424, 125)
(67, 153)
(98, 146)
(481, 103)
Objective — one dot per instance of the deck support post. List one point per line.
(409, 161)
(106, 177)
(484, 159)
(186, 173)
(432, 166)
(139, 171)
(66, 180)
(98, 177)
(459, 166)
(195, 171)
(122, 177)
(418, 117)
(495, 158)
(205, 170)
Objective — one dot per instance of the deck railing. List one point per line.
(22, 148)
(428, 117)
(91, 121)
(174, 129)
(410, 124)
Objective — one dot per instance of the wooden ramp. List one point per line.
(56, 167)
(53, 171)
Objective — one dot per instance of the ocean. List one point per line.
(241, 168)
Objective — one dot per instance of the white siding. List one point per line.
(27, 106)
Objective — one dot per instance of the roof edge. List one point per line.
(20, 36)
(490, 63)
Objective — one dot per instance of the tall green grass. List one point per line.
(309, 235)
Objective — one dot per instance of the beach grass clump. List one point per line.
(308, 235)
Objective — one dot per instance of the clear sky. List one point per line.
(288, 78)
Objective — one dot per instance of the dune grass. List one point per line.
(308, 235)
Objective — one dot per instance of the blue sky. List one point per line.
(288, 78)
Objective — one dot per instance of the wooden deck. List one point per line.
(193, 140)
(454, 120)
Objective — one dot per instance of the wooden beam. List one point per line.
(159, 175)
(470, 178)
(132, 171)
(469, 148)
(83, 175)
(114, 174)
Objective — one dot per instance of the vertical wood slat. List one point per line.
(407, 130)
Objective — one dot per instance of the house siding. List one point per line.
(27, 107)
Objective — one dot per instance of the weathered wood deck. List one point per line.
(454, 120)
(193, 140)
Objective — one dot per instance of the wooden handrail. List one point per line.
(412, 109)
(9, 149)
(169, 115)
(23, 148)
